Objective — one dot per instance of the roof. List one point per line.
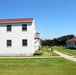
(73, 39)
(37, 33)
(16, 20)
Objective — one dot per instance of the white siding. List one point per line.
(71, 44)
(16, 35)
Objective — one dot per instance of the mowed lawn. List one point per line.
(37, 66)
(47, 52)
(71, 52)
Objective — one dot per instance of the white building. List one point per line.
(18, 37)
(38, 43)
(71, 43)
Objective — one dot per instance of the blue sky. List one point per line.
(53, 18)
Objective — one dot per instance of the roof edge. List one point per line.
(16, 20)
(73, 39)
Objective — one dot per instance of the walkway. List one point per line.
(31, 57)
(65, 56)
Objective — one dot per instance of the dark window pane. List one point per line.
(24, 27)
(8, 27)
(24, 42)
(75, 42)
(9, 43)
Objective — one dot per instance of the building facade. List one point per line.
(71, 43)
(17, 37)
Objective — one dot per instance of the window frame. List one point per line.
(24, 42)
(75, 42)
(24, 27)
(9, 28)
(9, 43)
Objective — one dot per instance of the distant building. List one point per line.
(18, 37)
(71, 43)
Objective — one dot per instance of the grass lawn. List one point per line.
(37, 66)
(71, 52)
(47, 52)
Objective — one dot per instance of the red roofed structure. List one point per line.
(18, 37)
(71, 43)
(73, 39)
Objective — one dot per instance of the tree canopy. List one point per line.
(57, 41)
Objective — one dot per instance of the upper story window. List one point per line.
(24, 42)
(9, 28)
(24, 27)
(9, 43)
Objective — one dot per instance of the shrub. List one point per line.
(38, 52)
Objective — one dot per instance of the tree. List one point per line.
(57, 41)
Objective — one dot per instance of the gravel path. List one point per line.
(65, 56)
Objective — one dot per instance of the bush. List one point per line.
(38, 52)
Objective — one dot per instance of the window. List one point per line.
(8, 27)
(24, 27)
(70, 43)
(24, 42)
(75, 42)
(67, 43)
(9, 42)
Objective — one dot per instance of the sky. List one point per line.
(53, 18)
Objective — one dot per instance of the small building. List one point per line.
(18, 37)
(71, 43)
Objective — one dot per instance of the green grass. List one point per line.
(37, 66)
(71, 52)
(47, 52)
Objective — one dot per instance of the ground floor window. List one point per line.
(9, 43)
(24, 42)
(75, 42)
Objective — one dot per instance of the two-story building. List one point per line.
(18, 37)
